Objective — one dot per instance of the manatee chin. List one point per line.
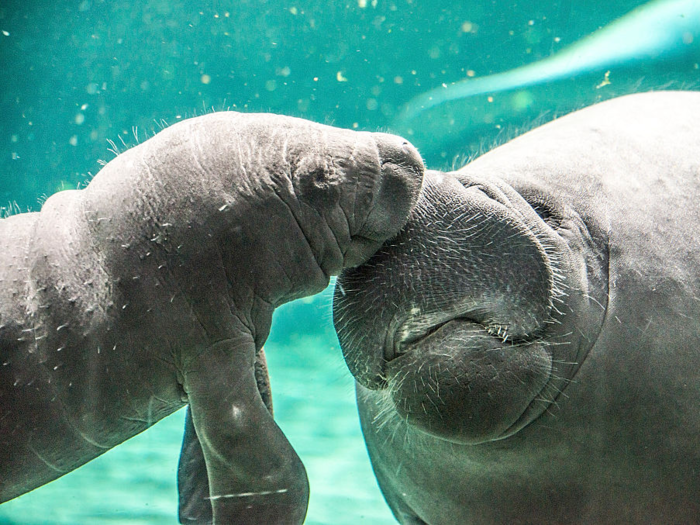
(462, 384)
(460, 318)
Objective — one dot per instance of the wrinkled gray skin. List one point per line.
(155, 286)
(527, 350)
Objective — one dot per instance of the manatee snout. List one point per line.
(394, 195)
(402, 176)
(450, 316)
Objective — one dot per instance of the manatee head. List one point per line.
(347, 191)
(279, 202)
(362, 184)
(476, 316)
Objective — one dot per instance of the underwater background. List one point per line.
(83, 80)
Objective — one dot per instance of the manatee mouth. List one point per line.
(459, 380)
(406, 333)
(360, 249)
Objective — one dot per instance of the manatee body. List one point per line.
(527, 349)
(154, 287)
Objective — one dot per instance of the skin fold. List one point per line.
(526, 349)
(154, 287)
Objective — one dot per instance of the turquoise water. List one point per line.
(82, 80)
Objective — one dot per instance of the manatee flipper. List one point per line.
(192, 482)
(254, 474)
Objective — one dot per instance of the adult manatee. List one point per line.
(527, 349)
(154, 287)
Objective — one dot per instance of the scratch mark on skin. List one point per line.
(248, 494)
(136, 419)
(45, 461)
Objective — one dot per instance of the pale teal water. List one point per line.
(74, 74)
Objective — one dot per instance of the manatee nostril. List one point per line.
(399, 151)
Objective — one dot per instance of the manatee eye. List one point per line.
(545, 206)
(316, 182)
(313, 173)
(318, 176)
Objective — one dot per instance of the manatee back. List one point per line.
(623, 163)
(15, 235)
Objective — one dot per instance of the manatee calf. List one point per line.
(154, 287)
(527, 349)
